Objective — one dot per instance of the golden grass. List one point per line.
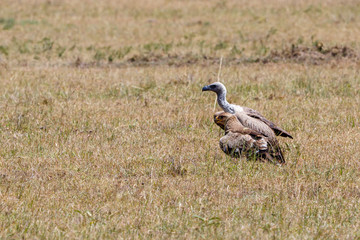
(132, 152)
(59, 32)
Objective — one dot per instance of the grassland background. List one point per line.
(105, 132)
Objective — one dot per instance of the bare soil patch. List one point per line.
(316, 54)
(313, 55)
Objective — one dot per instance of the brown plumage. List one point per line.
(256, 115)
(240, 140)
(248, 117)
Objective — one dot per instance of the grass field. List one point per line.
(105, 133)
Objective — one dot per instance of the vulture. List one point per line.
(248, 117)
(240, 140)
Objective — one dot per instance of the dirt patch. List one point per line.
(155, 60)
(316, 54)
(313, 55)
(170, 59)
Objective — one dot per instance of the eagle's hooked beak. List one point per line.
(217, 119)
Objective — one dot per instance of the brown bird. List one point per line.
(248, 117)
(240, 140)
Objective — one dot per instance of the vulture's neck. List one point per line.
(221, 99)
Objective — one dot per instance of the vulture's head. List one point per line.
(217, 87)
(220, 118)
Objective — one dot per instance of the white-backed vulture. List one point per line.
(248, 117)
(239, 140)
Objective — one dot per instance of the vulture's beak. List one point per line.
(206, 88)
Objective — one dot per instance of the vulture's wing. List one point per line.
(245, 130)
(256, 125)
(255, 114)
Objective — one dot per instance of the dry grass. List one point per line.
(57, 32)
(132, 152)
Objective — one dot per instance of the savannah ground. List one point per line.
(105, 132)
